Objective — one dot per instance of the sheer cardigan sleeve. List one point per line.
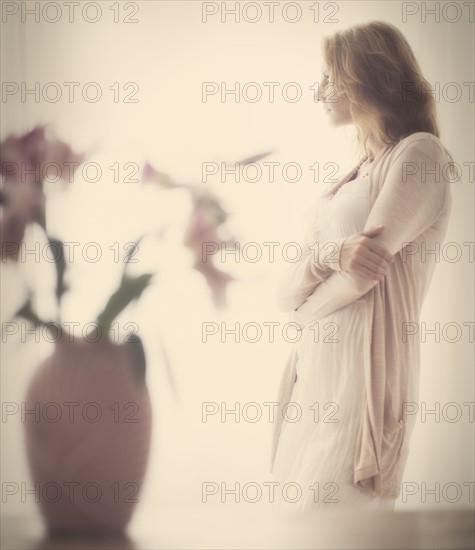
(300, 278)
(409, 202)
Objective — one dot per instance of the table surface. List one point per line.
(256, 529)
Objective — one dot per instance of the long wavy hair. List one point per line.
(389, 98)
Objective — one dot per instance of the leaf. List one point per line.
(57, 249)
(137, 351)
(132, 250)
(254, 158)
(130, 289)
(26, 311)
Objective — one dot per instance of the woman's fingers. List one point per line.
(365, 256)
(379, 249)
(374, 261)
(361, 269)
(374, 246)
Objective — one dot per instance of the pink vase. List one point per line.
(88, 430)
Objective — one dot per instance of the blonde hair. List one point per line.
(388, 96)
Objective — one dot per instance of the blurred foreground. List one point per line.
(239, 528)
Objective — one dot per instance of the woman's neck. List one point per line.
(374, 148)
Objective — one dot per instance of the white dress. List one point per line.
(314, 458)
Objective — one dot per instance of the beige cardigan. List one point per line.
(410, 194)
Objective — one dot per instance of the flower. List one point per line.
(201, 234)
(24, 163)
(21, 205)
(26, 159)
(201, 237)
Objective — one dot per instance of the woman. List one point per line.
(341, 437)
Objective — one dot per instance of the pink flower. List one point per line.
(24, 165)
(202, 239)
(26, 159)
(21, 204)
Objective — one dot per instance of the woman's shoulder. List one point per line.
(422, 139)
(418, 146)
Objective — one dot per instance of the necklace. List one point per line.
(366, 173)
(355, 175)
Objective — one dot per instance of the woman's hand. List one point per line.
(363, 256)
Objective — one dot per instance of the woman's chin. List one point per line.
(331, 119)
(334, 122)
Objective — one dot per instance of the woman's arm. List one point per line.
(317, 262)
(410, 201)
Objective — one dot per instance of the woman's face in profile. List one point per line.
(335, 102)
